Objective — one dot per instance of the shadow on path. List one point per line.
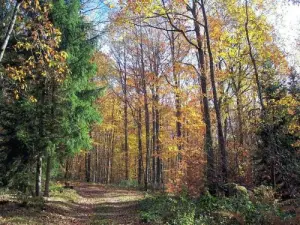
(96, 204)
(111, 205)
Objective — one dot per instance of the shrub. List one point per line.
(264, 194)
(211, 210)
(57, 190)
(238, 209)
(56, 187)
(32, 202)
(22, 182)
(165, 209)
(128, 183)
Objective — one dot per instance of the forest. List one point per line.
(150, 112)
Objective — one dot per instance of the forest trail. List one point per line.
(109, 205)
(95, 204)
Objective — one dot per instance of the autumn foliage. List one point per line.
(195, 95)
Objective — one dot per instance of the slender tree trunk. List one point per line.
(112, 147)
(140, 146)
(48, 175)
(111, 177)
(38, 178)
(108, 156)
(109, 159)
(88, 166)
(240, 121)
(105, 158)
(210, 174)
(147, 125)
(41, 112)
(147, 120)
(125, 119)
(158, 157)
(49, 157)
(154, 142)
(10, 29)
(67, 169)
(259, 89)
(222, 147)
(177, 96)
(97, 164)
(126, 141)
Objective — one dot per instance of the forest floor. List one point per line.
(92, 204)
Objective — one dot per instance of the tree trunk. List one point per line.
(67, 169)
(147, 120)
(259, 89)
(38, 178)
(88, 167)
(41, 113)
(158, 157)
(147, 125)
(126, 140)
(10, 29)
(109, 157)
(111, 177)
(154, 142)
(210, 174)
(96, 168)
(53, 129)
(48, 175)
(239, 119)
(222, 147)
(177, 96)
(124, 83)
(140, 146)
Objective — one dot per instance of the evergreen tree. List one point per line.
(277, 160)
(79, 90)
(32, 67)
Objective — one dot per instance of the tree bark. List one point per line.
(111, 178)
(38, 178)
(109, 158)
(147, 120)
(222, 147)
(97, 164)
(88, 167)
(140, 146)
(210, 174)
(67, 169)
(126, 136)
(177, 96)
(259, 89)
(41, 114)
(240, 121)
(154, 142)
(48, 175)
(10, 29)
(158, 150)
(147, 125)
(124, 87)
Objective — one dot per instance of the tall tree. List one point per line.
(79, 91)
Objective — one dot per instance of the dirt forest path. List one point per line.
(108, 205)
(95, 204)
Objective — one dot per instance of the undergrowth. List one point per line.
(128, 184)
(211, 210)
(57, 190)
